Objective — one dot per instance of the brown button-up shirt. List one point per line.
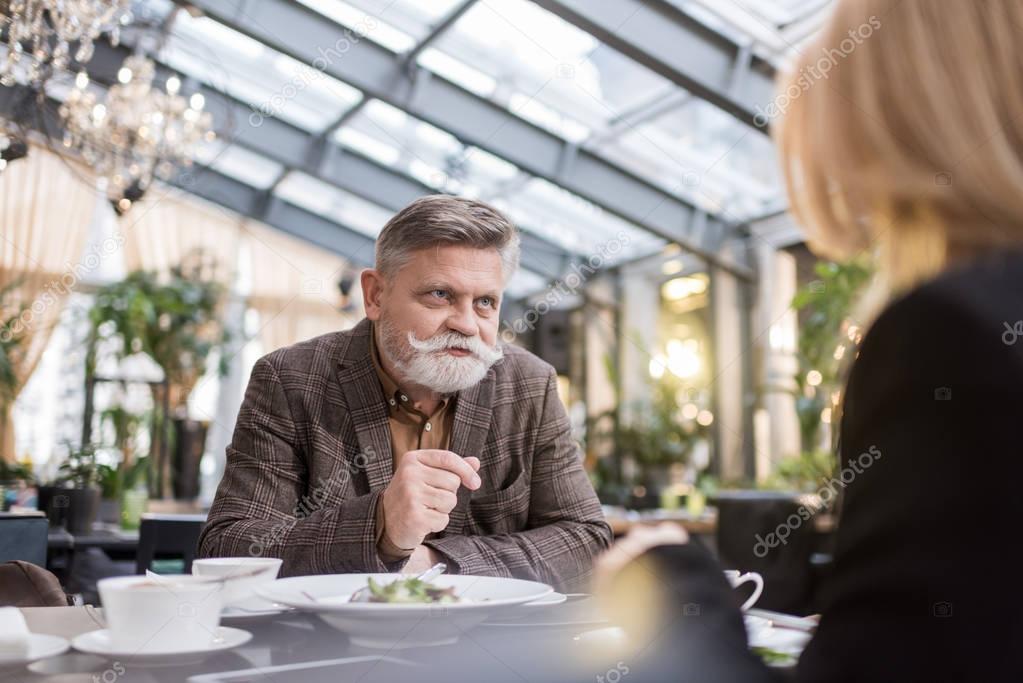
(411, 429)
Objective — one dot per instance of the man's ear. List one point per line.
(373, 286)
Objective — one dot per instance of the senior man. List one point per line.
(414, 437)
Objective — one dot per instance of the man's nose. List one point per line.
(463, 320)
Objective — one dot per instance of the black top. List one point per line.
(927, 583)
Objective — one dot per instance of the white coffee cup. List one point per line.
(161, 613)
(737, 579)
(241, 575)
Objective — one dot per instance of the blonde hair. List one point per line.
(903, 134)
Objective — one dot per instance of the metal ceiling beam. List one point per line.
(215, 187)
(323, 159)
(315, 40)
(446, 22)
(678, 47)
(18, 103)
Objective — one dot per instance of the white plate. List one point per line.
(40, 646)
(254, 608)
(98, 643)
(380, 625)
(513, 612)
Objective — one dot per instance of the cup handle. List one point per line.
(758, 589)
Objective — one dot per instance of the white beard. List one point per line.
(427, 363)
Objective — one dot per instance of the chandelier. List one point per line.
(42, 33)
(137, 131)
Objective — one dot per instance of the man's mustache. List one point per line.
(453, 340)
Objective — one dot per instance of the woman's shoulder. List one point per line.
(979, 305)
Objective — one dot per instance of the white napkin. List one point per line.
(13, 632)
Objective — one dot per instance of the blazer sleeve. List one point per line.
(931, 442)
(566, 526)
(265, 504)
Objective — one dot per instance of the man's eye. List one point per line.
(439, 293)
(486, 301)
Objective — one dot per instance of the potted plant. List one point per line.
(827, 337)
(175, 321)
(72, 500)
(658, 439)
(124, 492)
(116, 480)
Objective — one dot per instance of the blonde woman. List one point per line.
(911, 149)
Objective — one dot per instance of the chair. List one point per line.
(23, 537)
(23, 584)
(164, 537)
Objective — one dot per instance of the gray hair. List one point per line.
(443, 219)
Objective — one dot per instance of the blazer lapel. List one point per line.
(367, 408)
(469, 434)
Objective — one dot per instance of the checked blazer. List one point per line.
(311, 455)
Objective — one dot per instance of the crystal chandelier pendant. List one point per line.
(137, 131)
(47, 35)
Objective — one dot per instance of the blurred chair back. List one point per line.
(163, 537)
(748, 539)
(23, 584)
(23, 537)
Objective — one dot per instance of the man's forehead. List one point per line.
(457, 265)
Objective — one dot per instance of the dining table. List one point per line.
(569, 642)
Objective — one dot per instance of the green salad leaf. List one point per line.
(410, 591)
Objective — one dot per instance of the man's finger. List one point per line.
(474, 463)
(439, 499)
(446, 460)
(441, 479)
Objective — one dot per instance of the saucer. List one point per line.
(40, 646)
(98, 643)
(235, 613)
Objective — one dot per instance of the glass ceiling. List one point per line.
(537, 66)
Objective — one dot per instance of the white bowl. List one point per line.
(240, 588)
(382, 625)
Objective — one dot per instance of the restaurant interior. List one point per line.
(187, 186)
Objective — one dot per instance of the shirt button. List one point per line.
(404, 397)
(393, 402)
(428, 426)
